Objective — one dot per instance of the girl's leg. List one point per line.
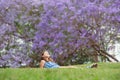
(68, 67)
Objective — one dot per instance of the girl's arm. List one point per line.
(42, 63)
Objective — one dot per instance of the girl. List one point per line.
(47, 62)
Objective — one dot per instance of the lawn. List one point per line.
(105, 71)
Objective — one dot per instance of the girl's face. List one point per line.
(46, 54)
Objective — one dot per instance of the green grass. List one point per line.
(105, 71)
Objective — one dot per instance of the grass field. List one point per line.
(105, 71)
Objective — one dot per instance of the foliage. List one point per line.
(16, 31)
(66, 27)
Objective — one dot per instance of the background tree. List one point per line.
(68, 27)
(17, 20)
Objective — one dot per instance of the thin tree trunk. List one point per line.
(105, 54)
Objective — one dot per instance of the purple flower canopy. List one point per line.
(71, 21)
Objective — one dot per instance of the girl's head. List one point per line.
(45, 54)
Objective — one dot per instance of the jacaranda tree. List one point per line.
(66, 27)
(17, 20)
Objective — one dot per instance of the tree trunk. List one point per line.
(104, 53)
(96, 47)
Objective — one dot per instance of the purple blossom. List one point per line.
(75, 24)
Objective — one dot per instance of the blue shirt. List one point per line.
(50, 64)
